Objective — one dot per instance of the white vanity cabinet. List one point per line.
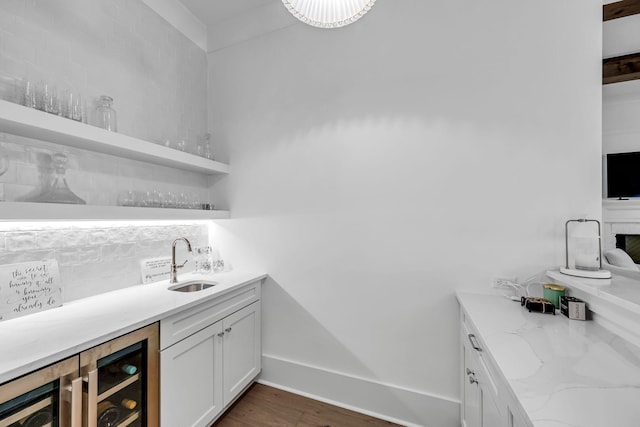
(481, 405)
(209, 354)
(485, 402)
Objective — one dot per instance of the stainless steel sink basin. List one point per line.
(192, 286)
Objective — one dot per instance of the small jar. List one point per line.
(105, 115)
(553, 292)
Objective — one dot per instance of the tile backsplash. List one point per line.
(97, 257)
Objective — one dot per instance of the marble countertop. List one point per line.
(623, 289)
(39, 339)
(562, 372)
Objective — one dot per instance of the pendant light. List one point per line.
(328, 13)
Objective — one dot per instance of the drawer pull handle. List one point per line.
(474, 342)
(228, 330)
(220, 334)
(472, 380)
(470, 372)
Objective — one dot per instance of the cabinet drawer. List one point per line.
(181, 325)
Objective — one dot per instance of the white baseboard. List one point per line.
(402, 406)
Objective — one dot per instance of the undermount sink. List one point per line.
(192, 286)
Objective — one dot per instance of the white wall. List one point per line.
(379, 167)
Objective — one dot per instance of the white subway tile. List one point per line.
(67, 256)
(25, 256)
(21, 241)
(89, 254)
(98, 236)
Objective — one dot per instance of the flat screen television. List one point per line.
(623, 175)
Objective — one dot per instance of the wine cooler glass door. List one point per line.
(120, 387)
(50, 397)
(121, 380)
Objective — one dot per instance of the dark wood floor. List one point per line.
(264, 406)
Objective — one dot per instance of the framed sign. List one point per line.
(155, 269)
(29, 287)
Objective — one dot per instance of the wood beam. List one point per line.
(620, 9)
(621, 68)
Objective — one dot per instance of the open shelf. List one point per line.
(23, 211)
(28, 122)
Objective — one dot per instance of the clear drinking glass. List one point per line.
(4, 162)
(47, 97)
(126, 198)
(206, 147)
(182, 144)
(71, 105)
(106, 117)
(169, 200)
(29, 94)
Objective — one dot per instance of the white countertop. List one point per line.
(623, 289)
(36, 340)
(562, 372)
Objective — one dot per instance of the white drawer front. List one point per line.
(181, 325)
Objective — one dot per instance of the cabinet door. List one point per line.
(471, 403)
(516, 419)
(242, 350)
(491, 416)
(191, 379)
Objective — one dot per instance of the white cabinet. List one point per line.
(470, 409)
(191, 383)
(484, 400)
(209, 354)
(481, 405)
(241, 350)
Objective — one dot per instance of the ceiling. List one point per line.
(211, 12)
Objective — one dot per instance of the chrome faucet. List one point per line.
(173, 278)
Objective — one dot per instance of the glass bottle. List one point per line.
(207, 261)
(108, 414)
(198, 257)
(206, 150)
(59, 191)
(106, 116)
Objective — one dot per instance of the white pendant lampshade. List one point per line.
(328, 13)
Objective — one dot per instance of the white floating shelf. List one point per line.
(22, 211)
(19, 120)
